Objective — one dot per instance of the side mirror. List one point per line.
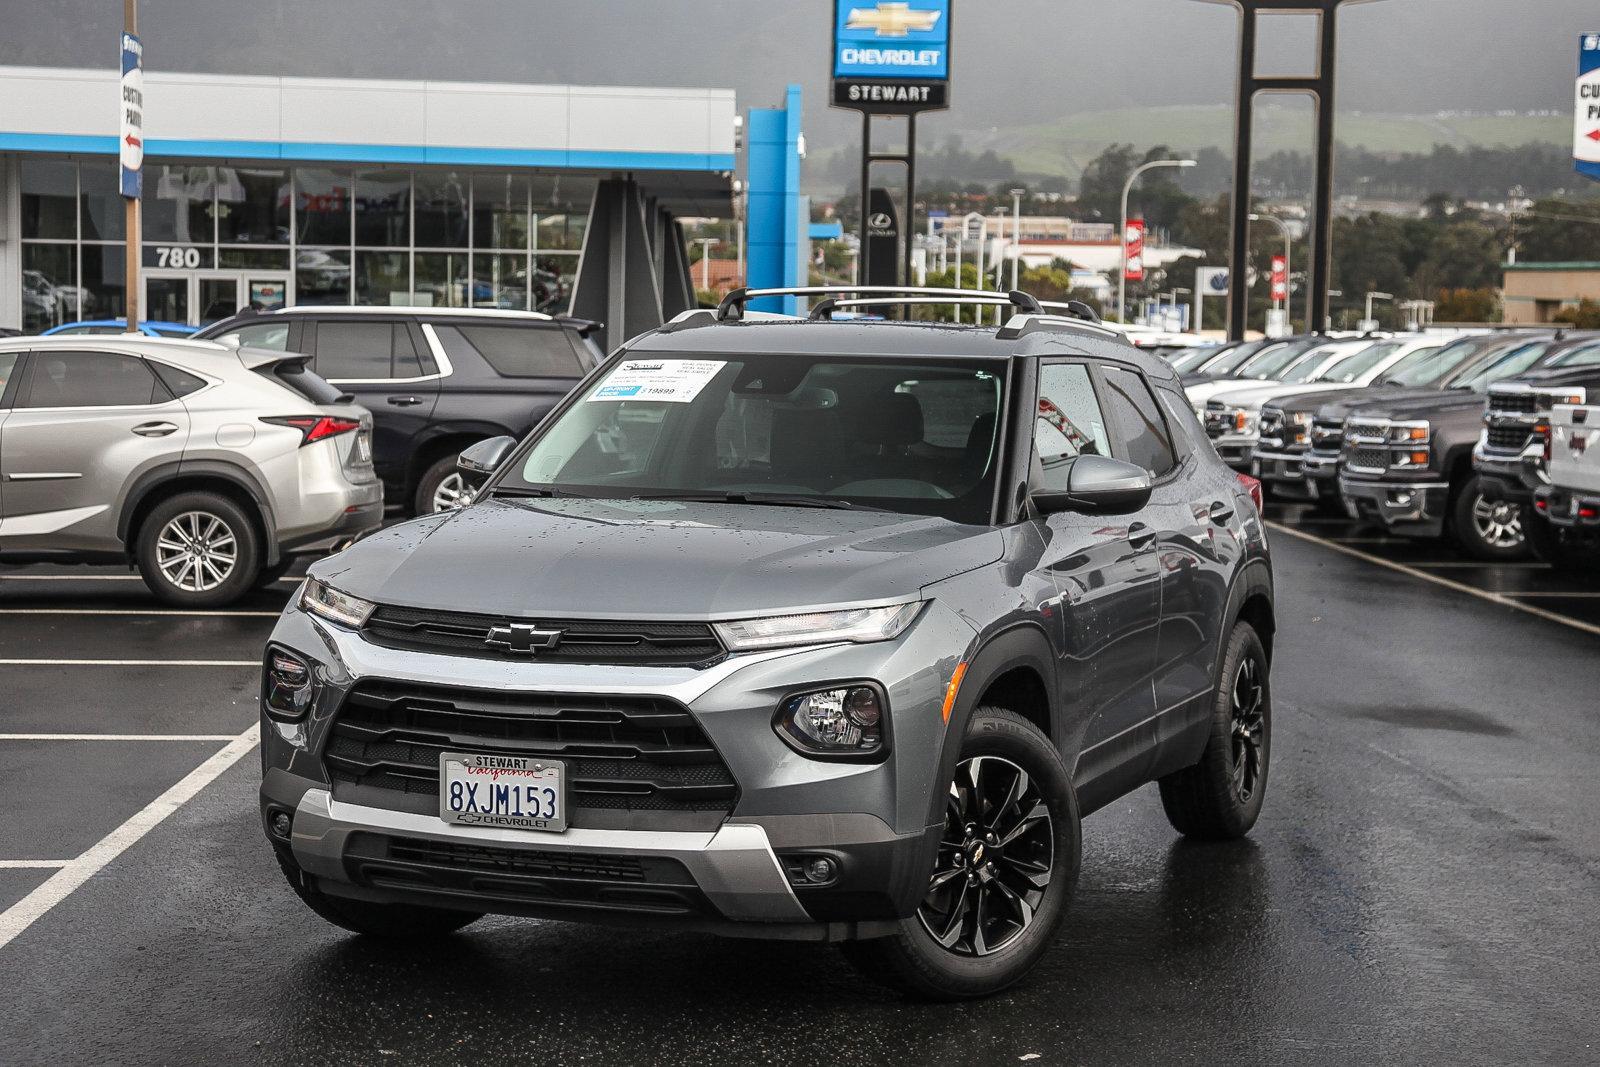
(479, 461)
(1097, 484)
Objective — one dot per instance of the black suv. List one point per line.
(435, 379)
(824, 630)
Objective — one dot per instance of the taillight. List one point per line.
(1253, 487)
(314, 428)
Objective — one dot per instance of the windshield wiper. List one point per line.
(525, 491)
(773, 499)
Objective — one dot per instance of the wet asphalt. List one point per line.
(1423, 887)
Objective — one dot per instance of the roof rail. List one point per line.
(825, 308)
(1076, 308)
(731, 309)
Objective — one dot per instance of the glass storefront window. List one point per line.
(50, 293)
(322, 207)
(252, 206)
(49, 192)
(561, 211)
(104, 214)
(105, 281)
(441, 209)
(322, 276)
(562, 231)
(383, 208)
(552, 283)
(500, 281)
(254, 258)
(499, 211)
(177, 205)
(441, 279)
(383, 278)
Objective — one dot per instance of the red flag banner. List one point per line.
(1280, 278)
(1133, 242)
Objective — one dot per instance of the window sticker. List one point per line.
(673, 381)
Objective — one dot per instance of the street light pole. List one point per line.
(1016, 237)
(705, 244)
(1288, 270)
(132, 219)
(1122, 234)
(1376, 296)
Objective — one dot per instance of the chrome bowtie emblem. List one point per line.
(892, 19)
(523, 639)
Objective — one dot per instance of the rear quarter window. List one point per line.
(515, 351)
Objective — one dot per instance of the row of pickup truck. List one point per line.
(1481, 436)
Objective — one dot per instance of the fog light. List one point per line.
(847, 721)
(281, 824)
(821, 870)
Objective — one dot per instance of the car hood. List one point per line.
(1201, 392)
(1342, 406)
(1553, 376)
(585, 558)
(1254, 399)
(1400, 408)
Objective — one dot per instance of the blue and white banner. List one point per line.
(131, 127)
(892, 39)
(1586, 118)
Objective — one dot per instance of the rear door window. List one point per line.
(91, 380)
(365, 351)
(516, 351)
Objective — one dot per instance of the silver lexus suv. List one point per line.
(207, 466)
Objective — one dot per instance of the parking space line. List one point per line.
(141, 611)
(116, 737)
(70, 578)
(1469, 565)
(25, 912)
(32, 865)
(1370, 541)
(130, 663)
(1493, 598)
(1558, 594)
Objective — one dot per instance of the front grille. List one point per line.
(1272, 435)
(632, 762)
(1518, 403)
(1368, 459)
(531, 878)
(1508, 438)
(643, 644)
(1376, 430)
(1327, 436)
(1218, 422)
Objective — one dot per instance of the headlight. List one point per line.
(1242, 420)
(847, 721)
(322, 599)
(860, 625)
(286, 685)
(1405, 433)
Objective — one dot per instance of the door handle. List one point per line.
(405, 401)
(1141, 536)
(155, 429)
(1222, 513)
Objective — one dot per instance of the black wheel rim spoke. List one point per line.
(994, 860)
(1249, 728)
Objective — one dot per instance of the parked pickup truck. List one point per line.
(1408, 463)
(1570, 503)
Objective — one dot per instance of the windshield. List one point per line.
(1583, 356)
(1273, 361)
(1232, 361)
(1429, 366)
(1184, 362)
(1311, 366)
(789, 430)
(1509, 365)
(1355, 366)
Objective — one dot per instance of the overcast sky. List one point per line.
(1015, 61)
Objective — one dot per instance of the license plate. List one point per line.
(510, 792)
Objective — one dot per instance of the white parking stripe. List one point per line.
(1469, 565)
(1493, 598)
(130, 662)
(1559, 594)
(116, 737)
(25, 912)
(138, 611)
(70, 578)
(32, 865)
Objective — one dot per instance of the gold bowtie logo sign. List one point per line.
(892, 20)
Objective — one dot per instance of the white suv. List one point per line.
(206, 466)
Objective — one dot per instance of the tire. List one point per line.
(440, 486)
(989, 950)
(1220, 797)
(1564, 553)
(406, 922)
(225, 534)
(1485, 527)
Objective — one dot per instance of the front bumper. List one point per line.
(1414, 507)
(742, 873)
(1513, 476)
(1237, 451)
(1285, 475)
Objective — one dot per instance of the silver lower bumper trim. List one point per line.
(735, 866)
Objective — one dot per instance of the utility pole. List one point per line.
(132, 116)
(1016, 237)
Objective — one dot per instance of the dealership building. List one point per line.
(265, 191)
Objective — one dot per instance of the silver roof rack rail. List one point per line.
(731, 309)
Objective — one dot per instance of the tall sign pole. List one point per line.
(1586, 118)
(131, 149)
(890, 57)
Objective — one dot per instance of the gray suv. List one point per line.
(828, 630)
(208, 467)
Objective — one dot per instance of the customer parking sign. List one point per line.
(1586, 121)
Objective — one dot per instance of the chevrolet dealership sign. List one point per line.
(891, 56)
